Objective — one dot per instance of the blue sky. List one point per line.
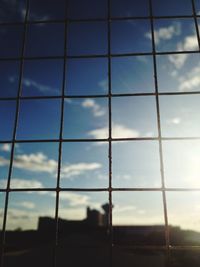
(85, 164)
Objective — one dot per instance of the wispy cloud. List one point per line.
(189, 43)
(4, 161)
(175, 120)
(165, 33)
(70, 198)
(123, 131)
(178, 60)
(24, 217)
(39, 162)
(191, 80)
(99, 133)
(26, 204)
(38, 18)
(71, 170)
(103, 84)
(25, 214)
(75, 199)
(17, 216)
(38, 86)
(68, 101)
(118, 131)
(21, 183)
(5, 147)
(96, 109)
(142, 59)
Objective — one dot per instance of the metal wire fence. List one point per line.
(168, 247)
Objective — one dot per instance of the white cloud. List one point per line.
(77, 169)
(70, 198)
(25, 219)
(123, 131)
(68, 101)
(188, 44)
(21, 183)
(20, 218)
(175, 120)
(35, 162)
(39, 162)
(118, 131)
(75, 199)
(96, 109)
(72, 213)
(103, 84)
(40, 87)
(191, 80)
(31, 83)
(5, 147)
(91, 104)
(143, 59)
(4, 161)
(73, 205)
(165, 33)
(178, 60)
(26, 204)
(99, 133)
(38, 18)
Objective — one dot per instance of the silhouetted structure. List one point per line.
(94, 217)
(88, 241)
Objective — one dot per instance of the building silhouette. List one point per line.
(86, 243)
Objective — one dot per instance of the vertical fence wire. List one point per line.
(159, 132)
(196, 22)
(60, 149)
(110, 130)
(14, 135)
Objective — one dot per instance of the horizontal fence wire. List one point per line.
(106, 189)
(106, 140)
(101, 96)
(112, 55)
(123, 18)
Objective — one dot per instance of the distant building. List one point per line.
(94, 218)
